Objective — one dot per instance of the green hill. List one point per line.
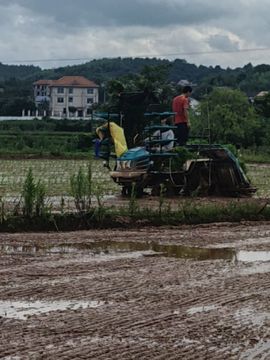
(18, 71)
(16, 81)
(110, 68)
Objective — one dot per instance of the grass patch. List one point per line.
(259, 175)
(255, 156)
(189, 213)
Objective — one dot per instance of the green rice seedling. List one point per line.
(101, 210)
(168, 213)
(186, 209)
(3, 214)
(16, 207)
(40, 194)
(29, 194)
(13, 174)
(62, 205)
(133, 204)
(81, 189)
(161, 200)
(33, 196)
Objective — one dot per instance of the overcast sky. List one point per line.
(207, 32)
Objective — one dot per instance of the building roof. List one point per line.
(43, 82)
(74, 81)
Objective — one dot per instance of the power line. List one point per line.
(146, 55)
(47, 60)
(220, 52)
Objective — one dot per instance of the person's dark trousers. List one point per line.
(97, 147)
(181, 133)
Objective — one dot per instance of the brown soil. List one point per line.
(148, 305)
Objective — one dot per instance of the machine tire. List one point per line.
(127, 191)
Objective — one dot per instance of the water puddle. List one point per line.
(249, 315)
(240, 243)
(118, 248)
(259, 351)
(261, 268)
(200, 309)
(23, 309)
(253, 256)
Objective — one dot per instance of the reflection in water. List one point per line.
(252, 256)
(156, 249)
(199, 309)
(256, 268)
(23, 309)
(251, 315)
(116, 247)
(260, 351)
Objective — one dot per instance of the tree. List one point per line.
(15, 106)
(131, 95)
(231, 118)
(262, 105)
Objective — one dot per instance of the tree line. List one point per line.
(224, 94)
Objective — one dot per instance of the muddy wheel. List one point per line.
(172, 190)
(155, 191)
(127, 191)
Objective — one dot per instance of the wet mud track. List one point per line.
(200, 292)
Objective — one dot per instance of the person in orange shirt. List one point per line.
(180, 107)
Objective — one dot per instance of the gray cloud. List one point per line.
(127, 13)
(53, 29)
(223, 43)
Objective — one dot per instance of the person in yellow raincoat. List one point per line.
(117, 134)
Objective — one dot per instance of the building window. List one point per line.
(90, 101)
(70, 90)
(90, 91)
(70, 99)
(60, 100)
(60, 90)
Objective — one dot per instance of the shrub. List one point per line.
(81, 189)
(33, 195)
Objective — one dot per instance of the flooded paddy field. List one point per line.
(189, 292)
(55, 174)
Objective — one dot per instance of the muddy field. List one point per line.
(154, 293)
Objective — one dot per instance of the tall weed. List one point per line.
(101, 210)
(81, 189)
(29, 194)
(133, 203)
(33, 196)
(161, 200)
(3, 214)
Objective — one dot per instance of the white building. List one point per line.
(42, 91)
(185, 82)
(69, 96)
